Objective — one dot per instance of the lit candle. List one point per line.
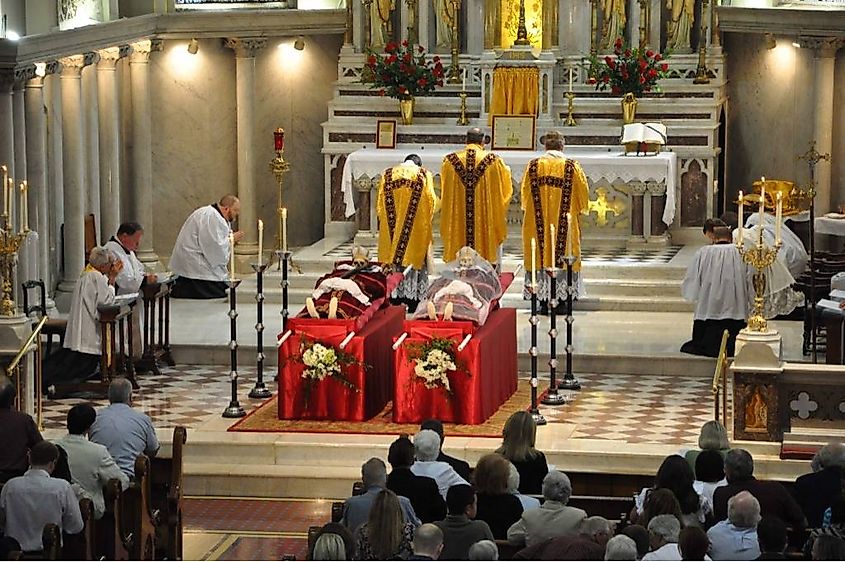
(24, 208)
(284, 229)
(570, 79)
(568, 235)
(232, 256)
(464, 83)
(778, 217)
(715, 186)
(554, 245)
(762, 205)
(10, 195)
(741, 218)
(5, 191)
(260, 240)
(533, 264)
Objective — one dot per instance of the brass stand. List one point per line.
(9, 245)
(594, 26)
(645, 16)
(759, 257)
(279, 166)
(347, 32)
(570, 106)
(702, 75)
(521, 30)
(463, 119)
(455, 67)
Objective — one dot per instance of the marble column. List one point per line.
(36, 174)
(142, 147)
(55, 167)
(92, 143)
(7, 132)
(73, 162)
(825, 60)
(245, 49)
(19, 125)
(109, 133)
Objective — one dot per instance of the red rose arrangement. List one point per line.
(627, 70)
(403, 71)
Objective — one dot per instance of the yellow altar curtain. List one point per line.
(483, 178)
(408, 204)
(516, 91)
(553, 188)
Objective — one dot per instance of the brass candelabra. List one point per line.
(463, 119)
(570, 106)
(702, 75)
(10, 242)
(759, 257)
(455, 71)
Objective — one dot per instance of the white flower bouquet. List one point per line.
(434, 369)
(321, 362)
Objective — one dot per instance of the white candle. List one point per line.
(24, 209)
(232, 256)
(569, 235)
(778, 217)
(715, 186)
(570, 79)
(260, 240)
(533, 264)
(10, 188)
(762, 204)
(284, 229)
(554, 245)
(5, 192)
(464, 83)
(741, 218)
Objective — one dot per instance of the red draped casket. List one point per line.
(330, 399)
(487, 380)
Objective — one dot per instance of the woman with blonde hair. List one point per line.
(496, 507)
(713, 437)
(385, 535)
(518, 438)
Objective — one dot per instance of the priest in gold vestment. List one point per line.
(405, 207)
(476, 189)
(553, 185)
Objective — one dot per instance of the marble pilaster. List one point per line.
(245, 49)
(142, 163)
(92, 142)
(474, 33)
(19, 124)
(73, 161)
(109, 137)
(55, 167)
(7, 133)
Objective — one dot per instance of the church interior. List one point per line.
(142, 111)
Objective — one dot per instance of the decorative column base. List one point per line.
(756, 355)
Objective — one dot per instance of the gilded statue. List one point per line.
(681, 18)
(444, 11)
(381, 13)
(613, 23)
(756, 412)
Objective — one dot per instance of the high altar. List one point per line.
(634, 200)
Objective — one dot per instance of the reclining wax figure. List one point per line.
(79, 359)
(349, 290)
(466, 289)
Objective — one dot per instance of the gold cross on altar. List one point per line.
(602, 207)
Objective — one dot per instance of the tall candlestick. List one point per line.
(260, 241)
(284, 229)
(570, 79)
(554, 245)
(232, 256)
(569, 235)
(741, 218)
(5, 190)
(778, 217)
(533, 264)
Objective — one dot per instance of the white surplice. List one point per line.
(792, 252)
(717, 281)
(83, 324)
(202, 247)
(132, 275)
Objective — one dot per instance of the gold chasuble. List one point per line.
(405, 207)
(476, 190)
(551, 187)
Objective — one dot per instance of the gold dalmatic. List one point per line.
(562, 228)
(415, 185)
(469, 176)
(405, 207)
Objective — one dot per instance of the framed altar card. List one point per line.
(513, 132)
(385, 133)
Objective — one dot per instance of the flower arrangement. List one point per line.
(321, 362)
(628, 70)
(434, 360)
(403, 71)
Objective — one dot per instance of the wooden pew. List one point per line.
(114, 538)
(51, 539)
(167, 493)
(156, 342)
(141, 517)
(81, 546)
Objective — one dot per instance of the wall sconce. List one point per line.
(771, 43)
(193, 46)
(299, 44)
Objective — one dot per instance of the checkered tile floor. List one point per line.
(513, 252)
(185, 395)
(636, 408)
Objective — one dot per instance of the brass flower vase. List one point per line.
(406, 110)
(629, 108)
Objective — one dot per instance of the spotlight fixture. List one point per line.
(299, 44)
(796, 44)
(771, 43)
(193, 46)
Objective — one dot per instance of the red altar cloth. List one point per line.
(330, 399)
(477, 392)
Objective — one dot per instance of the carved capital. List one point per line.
(53, 67)
(141, 49)
(91, 57)
(108, 58)
(125, 50)
(7, 79)
(24, 73)
(245, 47)
(72, 66)
(823, 47)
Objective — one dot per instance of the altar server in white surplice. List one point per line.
(793, 254)
(79, 358)
(201, 253)
(717, 281)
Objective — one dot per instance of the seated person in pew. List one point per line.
(460, 529)
(426, 451)
(427, 543)
(465, 290)
(460, 466)
(124, 431)
(31, 501)
(422, 491)
(349, 290)
(589, 544)
(18, 433)
(201, 254)
(91, 465)
(552, 519)
(79, 359)
(356, 509)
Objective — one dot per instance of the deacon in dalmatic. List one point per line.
(554, 194)
(476, 190)
(201, 253)
(405, 205)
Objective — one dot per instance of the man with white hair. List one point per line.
(663, 531)
(484, 550)
(552, 519)
(426, 450)
(735, 538)
(589, 544)
(79, 358)
(822, 488)
(356, 509)
(621, 547)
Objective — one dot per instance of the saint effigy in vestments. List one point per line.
(349, 290)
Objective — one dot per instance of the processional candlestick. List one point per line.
(521, 30)
(260, 389)
(702, 75)
(10, 242)
(455, 72)
(534, 320)
(234, 409)
(279, 166)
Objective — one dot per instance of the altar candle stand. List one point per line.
(234, 410)
(534, 410)
(284, 261)
(553, 398)
(569, 381)
(260, 390)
